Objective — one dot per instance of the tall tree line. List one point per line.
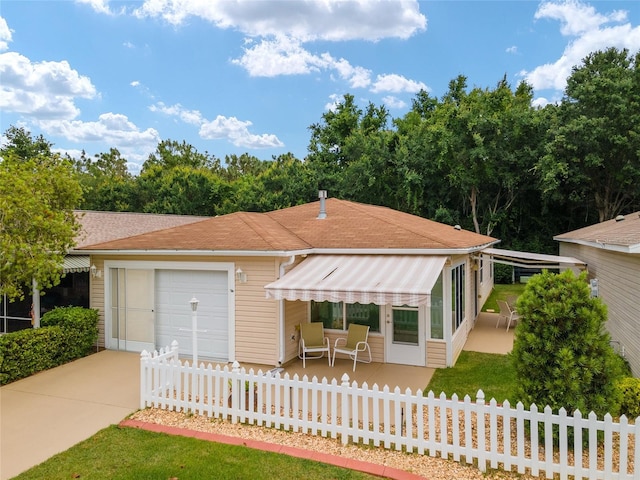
(484, 158)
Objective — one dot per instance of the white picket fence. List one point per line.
(493, 435)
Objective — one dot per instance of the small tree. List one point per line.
(561, 352)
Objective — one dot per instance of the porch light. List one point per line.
(194, 304)
(241, 277)
(95, 272)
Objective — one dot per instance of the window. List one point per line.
(338, 316)
(437, 302)
(457, 296)
(481, 269)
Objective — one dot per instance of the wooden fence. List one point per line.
(493, 435)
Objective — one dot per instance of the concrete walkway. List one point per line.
(53, 410)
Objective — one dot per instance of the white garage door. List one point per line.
(173, 291)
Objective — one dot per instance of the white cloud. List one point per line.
(237, 132)
(396, 84)
(100, 6)
(333, 104)
(577, 17)
(512, 49)
(393, 102)
(590, 34)
(222, 128)
(192, 117)
(280, 56)
(334, 20)
(5, 35)
(112, 129)
(41, 90)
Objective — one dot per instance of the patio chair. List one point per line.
(312, 340)
(514, 316)
(505, 312)
(354, 345)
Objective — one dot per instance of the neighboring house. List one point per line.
(418, 284)
(612, 251)
(97, 227)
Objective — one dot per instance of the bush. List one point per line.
(67, 334)
(561, 351)
(630, 397)
(502, 274)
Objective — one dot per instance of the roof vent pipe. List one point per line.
(619, 218)
(322, 195)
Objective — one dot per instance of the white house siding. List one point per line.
(618, 277)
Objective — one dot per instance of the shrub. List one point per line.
(68, 333)
(561, 351)
(630, 392)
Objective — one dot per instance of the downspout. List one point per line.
(283, 265)
(35, 305)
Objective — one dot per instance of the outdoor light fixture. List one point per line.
(241, 277)
(95, 272)
(194, 304)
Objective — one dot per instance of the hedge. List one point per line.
(66, 334)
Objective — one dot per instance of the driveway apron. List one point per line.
(53, 410)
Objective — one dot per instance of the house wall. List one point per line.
(436, 354)
(295, 313)
(96, 296)
(256, 317)
(618, 277)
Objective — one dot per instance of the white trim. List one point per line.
(530, 260)
(603, 245)
(229, 267)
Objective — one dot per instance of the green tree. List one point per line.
(561, 352)
(37, 224)
(594, 153)
(106, 182)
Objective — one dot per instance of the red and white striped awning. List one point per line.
(379, 279)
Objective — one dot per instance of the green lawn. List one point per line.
(501, 292)
(492, 373)
(133, 454)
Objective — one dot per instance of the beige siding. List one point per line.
(436, 354)
(96, 297)
(485, 288)
(618, 277)
(256, 317)
(295, 314)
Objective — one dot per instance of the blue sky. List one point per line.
(235, 76)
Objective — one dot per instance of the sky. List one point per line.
(251, 76)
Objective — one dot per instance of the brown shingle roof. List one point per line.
(622, 232)
(100, 227)
(348, 225)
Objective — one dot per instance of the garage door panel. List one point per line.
(174, 290)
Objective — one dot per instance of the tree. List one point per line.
(561, 351)
(594, 153)
(106, 182)
(37, 223)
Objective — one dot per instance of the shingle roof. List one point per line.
(348, 225)
(622, 232)
(100, 227)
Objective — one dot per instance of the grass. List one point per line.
(493, 373)
(127, 453)
(501, 292)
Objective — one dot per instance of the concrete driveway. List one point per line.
(51, 411)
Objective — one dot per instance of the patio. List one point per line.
(484, 338)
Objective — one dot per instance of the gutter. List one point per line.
(283, 266)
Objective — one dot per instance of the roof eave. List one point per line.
(602, 245)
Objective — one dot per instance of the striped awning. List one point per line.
(379, 279)
(76, 263)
